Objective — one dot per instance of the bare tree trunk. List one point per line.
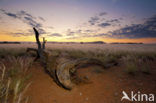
(37, 38)
(44, 42)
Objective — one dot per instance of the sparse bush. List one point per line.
(131, 68)
(131, 64)
(136, 62)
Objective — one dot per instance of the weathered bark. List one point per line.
(66, 69)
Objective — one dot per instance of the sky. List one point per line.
(79, 20)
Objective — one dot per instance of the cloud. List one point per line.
(94, 20)
(11, 15)
(100, 35)
(78, 33)
(19, 34)
(70, 32)
(24, 13)
(42, 31)
(102, 13)
(147, 29)
(103, 25)
(114, 21)
(75, 34)
(41, 18)
(133, 31)
(144, 30)
(30, 21)
(99, 20)
(90, 31)
(26, 18)
(55, 35)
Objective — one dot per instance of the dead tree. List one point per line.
(60, 67)
(41, 47)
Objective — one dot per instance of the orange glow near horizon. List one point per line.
(90, 39)
(11, 38)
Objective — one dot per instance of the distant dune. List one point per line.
(125, 43)
(8, 42)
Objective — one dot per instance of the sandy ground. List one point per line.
(103, 87)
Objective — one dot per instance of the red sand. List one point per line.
(105, 87)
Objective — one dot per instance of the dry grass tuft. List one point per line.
(13, 82)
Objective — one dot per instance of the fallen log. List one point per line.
(60, 67)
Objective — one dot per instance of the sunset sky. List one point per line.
(79, 20)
